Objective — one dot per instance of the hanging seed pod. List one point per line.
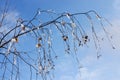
(79, 43)
(65, 38)
(15, 39)
(73, 24)
(85, 39)
(68, 15)
(38, 45)
(22, 27)
(63, 23)
(39, 39)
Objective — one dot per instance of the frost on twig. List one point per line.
(42, 32)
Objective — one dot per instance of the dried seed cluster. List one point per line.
(15, 39)
(38, 45)
(65, 38)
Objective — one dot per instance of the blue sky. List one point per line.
(27, 7)
(108, 66)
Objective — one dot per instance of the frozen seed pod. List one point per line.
(38, 45)
(65, 38)
(22, 27)
(15, 40)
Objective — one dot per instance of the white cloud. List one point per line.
(107, 67)
(11, 17)
(89, 59)
(88, 75)
(9, 21)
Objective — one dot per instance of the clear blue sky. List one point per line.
(108, 66)
(27, 7)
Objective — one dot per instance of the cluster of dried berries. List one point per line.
(85, 39)
(65, 38)
(39, 44)
(39, 39)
